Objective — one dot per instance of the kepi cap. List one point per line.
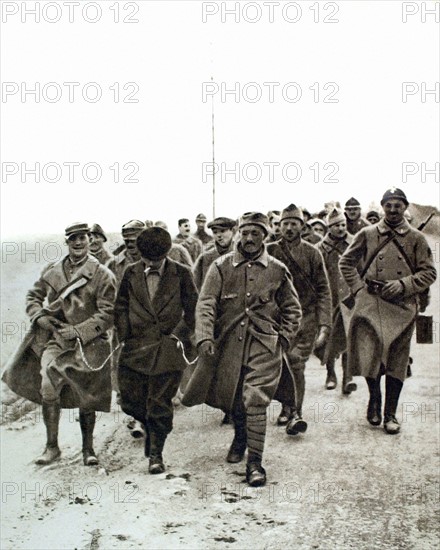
(132, 228)
(353, 202)
(335, 216)
(77, 227)
(222, 222)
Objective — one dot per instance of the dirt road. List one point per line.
(344, 484)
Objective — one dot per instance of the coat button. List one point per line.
(399, 257)
(247, 309)
(248, 293)
(380, 269)
(381, 257)
(240, 337)
(242, 323)
(249, 265)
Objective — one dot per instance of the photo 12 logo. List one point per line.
(68, 171)
(69, 12)
(271, 12)
(69, 92)
(269, 171)
(270, 92)
(420, 11)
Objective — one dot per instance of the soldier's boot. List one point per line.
(296, 423)
(393, 387)
(157, 442)
(331, 381)
(51, 417)
(348, 385)
(87, 423)
(285, 415)
(256, 435)
(374, 410)
(239, 443)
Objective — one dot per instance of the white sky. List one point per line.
(369, 133)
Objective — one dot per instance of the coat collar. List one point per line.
(401, 229)
(169, 284)
(239, 259)
(56, 277)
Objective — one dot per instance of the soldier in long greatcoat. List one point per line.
(355, 221)
(396, 266)
(247, 312)
(307, 268)
(156, 297)
(64, 360)
(332, 247)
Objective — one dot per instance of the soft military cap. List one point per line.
(292, 211)
(318, 221)
(201, 218)
(223, 223)
(255, 218)
(77, 227)
(335, 216)
(96, 228)
(154, 243)
(353, 202)
(394, 193)
(133, 227)
(373, 214)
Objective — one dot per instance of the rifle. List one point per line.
(425, 223)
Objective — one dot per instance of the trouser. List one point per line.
(393, 387)
(291, 389)
(259, 378)
(346, 374)
(148, 398)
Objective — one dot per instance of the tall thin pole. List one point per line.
(213, 154)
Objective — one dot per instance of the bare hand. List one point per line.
(391, 290)
(68, 332)
(48, 323)
(322, 337)
(206, 348)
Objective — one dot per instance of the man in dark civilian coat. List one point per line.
(156, 295)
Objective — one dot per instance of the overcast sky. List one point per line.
(335, 104)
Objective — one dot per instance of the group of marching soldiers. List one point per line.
(251, 302)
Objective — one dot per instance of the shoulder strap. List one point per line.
(297, 267)
(375, 253)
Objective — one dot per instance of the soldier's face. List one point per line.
(338, 230)
(78, 245)
(185, 228)
(394, 210)
(130, 243)
(251, 238)
(200, 224)
(373, 219)
(291, 229)
(275, 225)
(222, 236)
(96, 242)
(319, 230)
(353, 212)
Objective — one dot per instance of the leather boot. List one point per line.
(157, 442)
(51, 417)
(87, 423)
(331, 381)
(348, 385)
(285, 415)
(238, 445)
(374, 410)
(393, 387)
(255, 473)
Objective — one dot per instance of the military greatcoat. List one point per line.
(380, 330)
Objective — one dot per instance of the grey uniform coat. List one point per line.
(380, 331)
(240, 302)
(86, 302)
